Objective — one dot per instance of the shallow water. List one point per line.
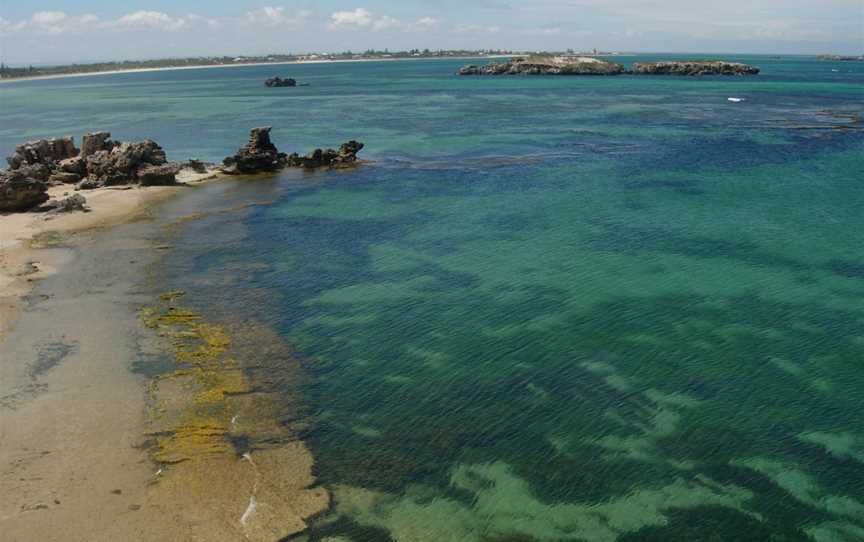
(553, 308)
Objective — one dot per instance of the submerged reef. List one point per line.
(227, 461)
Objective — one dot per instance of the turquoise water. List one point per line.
(552, 308)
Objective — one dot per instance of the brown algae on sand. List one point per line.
(228, 463)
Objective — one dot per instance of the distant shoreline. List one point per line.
(206, 66)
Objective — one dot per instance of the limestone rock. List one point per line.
(20, 193)
(258, 155)
(345, 156)
(547, 65)
(76, 164)
(158, 175)
(64, 177)
(42, 151)
(95, 142)
(279, 82)
(693, 67)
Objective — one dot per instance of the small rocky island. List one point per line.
(841, 58)
(567, 65)
(261, 155)
(693, 67)
(546, 65)
(279, 82)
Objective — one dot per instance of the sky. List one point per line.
(58, 31)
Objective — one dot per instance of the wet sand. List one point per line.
(78, 426)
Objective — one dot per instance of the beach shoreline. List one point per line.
(99, 450)
(239, 65)
(23, 263)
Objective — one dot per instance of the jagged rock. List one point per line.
(120, 165)
(345, 156)
(95, 142)
(36, 171)
(693, 67)
(88, 184)
(547, 65)
(64, 177)
(161, 175)
(279, 82)
(20, 193)
(196, 165)
(73, 165)
(75, 202)
(258, 155)
(42, 151)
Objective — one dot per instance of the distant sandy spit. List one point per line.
(204, 67)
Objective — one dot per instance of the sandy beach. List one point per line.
(208, 66)
(77, 424)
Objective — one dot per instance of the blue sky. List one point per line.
(56, 31)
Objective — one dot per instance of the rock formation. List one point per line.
(258, 155)
(128, 163)
(841, 58)
(42, 151)
(547, 65)
(95, 142)
(100, 162)
(566, 65)
(279, 82)
(20, 193)
(75, 202)
(693, 67)
(345, 156)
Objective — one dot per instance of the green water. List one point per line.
(551, 309)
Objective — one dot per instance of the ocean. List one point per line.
(547, 309)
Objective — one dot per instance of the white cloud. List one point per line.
(424, 24)
(48, 22)
(363, 19)
(48, 17)
(275, 16)
(359, 18)
(476, 29)
(154, 20)
(386, 23)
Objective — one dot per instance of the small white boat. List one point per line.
(736, 100)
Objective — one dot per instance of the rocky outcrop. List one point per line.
(100, 162)
(693, 67)
(95, 142)
(128, 163)
(547, 65)
(75, 202)
(20, 193)
(279, 82)
(161, 175)
(42, 151)
(841, 58)
(258, 155)
(345, 156)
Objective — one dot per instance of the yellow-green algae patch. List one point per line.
(196, 415)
